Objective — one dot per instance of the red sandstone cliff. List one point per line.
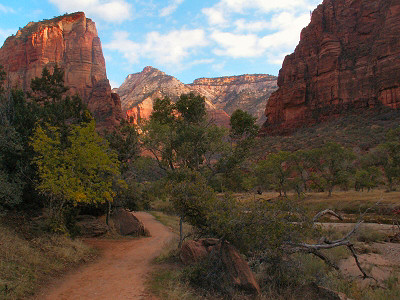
(348, 58)
(223, 95)
(71, 41)
(247, 92)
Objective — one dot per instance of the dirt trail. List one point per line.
(121, 271)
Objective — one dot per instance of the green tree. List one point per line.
(387, 155)
(367, 178)
(243, 125)
(178, 135)
(82, 172)
(125, 141)
(11, 170)
(56, 108)
(331, 165)
(275, 171)
(232, 164)
(192, 198)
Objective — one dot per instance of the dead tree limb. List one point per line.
(325, 244)
(326, 212)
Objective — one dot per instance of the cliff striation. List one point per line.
(348, 58)
(223, 95)
(71, 41)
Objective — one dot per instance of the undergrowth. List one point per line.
(28, 261)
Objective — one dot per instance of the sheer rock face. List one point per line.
(71, 42)
(348, 57)
(223, 95)
(247, 92)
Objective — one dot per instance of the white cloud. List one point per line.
(128, 48)
(237, 45)
(169, 49)
(114, 84)
(168, 10)
(109, 10)
(252, 26)
(215, 16)
(6, 9)
(244, 39)
(5, 33)
(240, 6)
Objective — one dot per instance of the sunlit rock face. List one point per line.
(223, 95)
(247, 92)
(71, 42)
(348, 57)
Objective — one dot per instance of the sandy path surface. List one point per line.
(120, 272)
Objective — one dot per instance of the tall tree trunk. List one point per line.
(108, 213)
(180, 232)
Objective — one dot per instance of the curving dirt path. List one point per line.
(121, 271)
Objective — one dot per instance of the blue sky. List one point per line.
(188, 39)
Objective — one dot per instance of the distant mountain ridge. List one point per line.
(223, 94)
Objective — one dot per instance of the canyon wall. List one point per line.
(348, 58)
(70, 41)
(223, 95)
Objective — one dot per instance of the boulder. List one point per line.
(237, 271)
(91, 226)
(126, 223)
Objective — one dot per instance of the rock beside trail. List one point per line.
(91, 226)
(125, 223)
(314, 291)
(236, 268)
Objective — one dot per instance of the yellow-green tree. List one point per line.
(79, 171)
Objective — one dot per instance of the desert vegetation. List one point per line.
(203, 181)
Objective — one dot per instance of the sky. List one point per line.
(187, 39)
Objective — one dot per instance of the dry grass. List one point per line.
(351, 204)
(25, 264)
(171, 221)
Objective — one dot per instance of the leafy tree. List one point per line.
(367, 178)
(178, 134)
(387, 155)
(82, 172)
(232, 163)
(192, 198)
(50, 87)
(2, 78)
(243, 125)
(331, 165)
(56, 108)
(125, 141)
(11, 170)
(275, 171)
(300, 175)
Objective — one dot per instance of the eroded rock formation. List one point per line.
(223, 95)
(247, 92)
(348, 57)
(71, 42)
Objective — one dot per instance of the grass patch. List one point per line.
(167, 284)
(171, 221)
(367, 235)
(26, 263)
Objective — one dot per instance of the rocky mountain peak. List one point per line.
(71, 42)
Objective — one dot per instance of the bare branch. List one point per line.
(353, 252)
(326, 212)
